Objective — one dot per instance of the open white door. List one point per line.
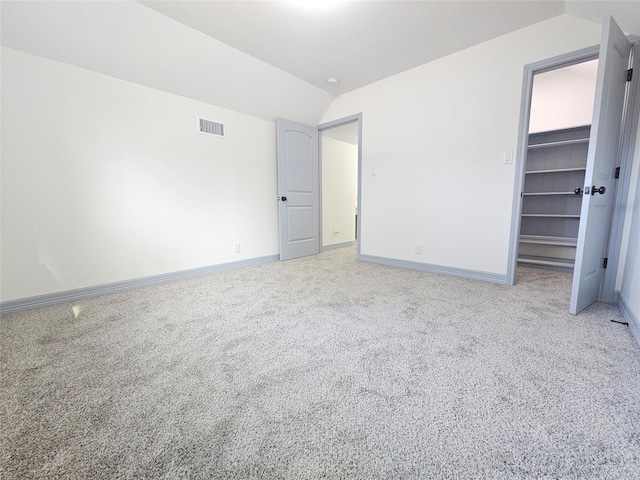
(298, 209)
(598, 193)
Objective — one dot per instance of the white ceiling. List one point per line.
(126, 40)
(270, 59)
(356, 42)
(360, 42)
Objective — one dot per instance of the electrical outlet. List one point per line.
(236, 247)
(418, 248)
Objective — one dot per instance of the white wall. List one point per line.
(339, 190)
(630, 251)
(634, 184)
(436, 136)
(561, 98)
(105, 180)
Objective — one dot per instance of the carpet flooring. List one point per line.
(321, 367)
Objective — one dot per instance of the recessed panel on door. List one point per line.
(300, 166)
(300, 224)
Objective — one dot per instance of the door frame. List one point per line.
(630, 123)
(554, 63)
(630, 116)
(326, 126)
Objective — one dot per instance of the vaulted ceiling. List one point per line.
(364, 41)
(267, 58)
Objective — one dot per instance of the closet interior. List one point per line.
(552, 197)
(561, 111)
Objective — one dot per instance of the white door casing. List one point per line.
(298, 203)
(595, 214)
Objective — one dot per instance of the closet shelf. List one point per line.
(548, 240)
(557, 170)
(549, 215)
(547, 193)
(547, 262)
(558, 143)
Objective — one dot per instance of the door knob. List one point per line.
(595, 190)
(284, 199)
(578, 191)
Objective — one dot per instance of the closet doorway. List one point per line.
(559, 126)
(609, 155)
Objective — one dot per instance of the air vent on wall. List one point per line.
(209, 127)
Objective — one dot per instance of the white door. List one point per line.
(598, 194)
(298, 207)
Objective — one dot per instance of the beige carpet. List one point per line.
(322, 367)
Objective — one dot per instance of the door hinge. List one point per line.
(617, 172)
(629, 74)
(604, 263)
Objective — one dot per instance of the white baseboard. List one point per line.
(426, 267)
(93, 291)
